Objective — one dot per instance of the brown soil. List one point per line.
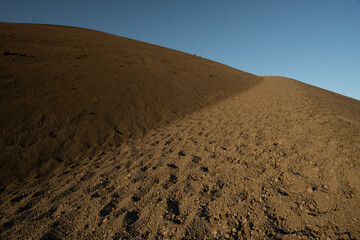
(69, 92)
(274, 159)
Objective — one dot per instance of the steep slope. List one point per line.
(68, 92)
(277, 161)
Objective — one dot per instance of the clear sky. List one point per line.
(314, 41)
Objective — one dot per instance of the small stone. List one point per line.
(309, 190)
(214, 233)
(227, 235)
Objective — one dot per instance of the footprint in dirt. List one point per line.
(87, 176)
(172, 180)
(103, 184)
(108, 208)
(143, 169)
(50, 236)
(173, 206)
(19, 198)
(136, 198)
(58, 230)
(26, 207)
(129, 220)
(173, 211)
(182, 154)
(168, 142)
(204, 213)
(215, 191)
(171, 165)
(141, 192)
(8, 224)
(32, 202)
(196, 159)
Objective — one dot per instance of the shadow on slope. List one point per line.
(69, 92)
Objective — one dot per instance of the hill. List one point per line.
(67, 93)
(151, 143)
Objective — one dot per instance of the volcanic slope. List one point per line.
(278, 160)
(67, 92)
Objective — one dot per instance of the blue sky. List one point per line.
(314, 41)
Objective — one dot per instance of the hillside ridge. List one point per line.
(67, 93)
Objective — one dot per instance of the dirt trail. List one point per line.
(273, 162)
